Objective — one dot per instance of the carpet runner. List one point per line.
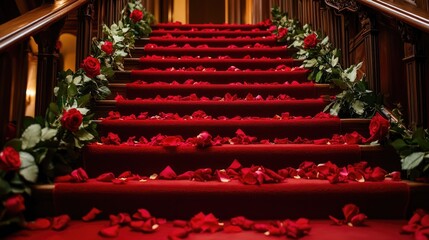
(227, 80)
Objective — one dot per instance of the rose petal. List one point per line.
(150, 226)
(415, 219)
(62, 179)
(425, 221)
(106, 177)
(142, 214)
(186, 176)
(358, 219)
(336, 221)
(60, 222)
(125, 174)
(91, 215)
(110, 232)
(349, 211)
(39, 224)
(168, 173)
(235, 165)
(410, 228)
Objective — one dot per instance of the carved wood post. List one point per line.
(414, 61)
(84, 32)
(370, 34)
(47, 66)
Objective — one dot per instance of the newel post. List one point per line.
(47, 66)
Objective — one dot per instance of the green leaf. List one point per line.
(28, 121)
(29, 170)
(15, 143)
(358, 107)
(319, 76)
(334, 61)
(84, 135)
(31, 136)
(53, 107)
(84, 100)
(4, 187)
(48, 133)
(71, 90)
(413, 160)
(335, 109)
(399, 144)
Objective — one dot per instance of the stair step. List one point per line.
(146, 160)
(211, 42)
(207, 26)
(220, 64)
(320, 230)
(181, 199)
(220, 77)
(272, 52)
(262, 129)
(226, 33)
(305, 90)
(230, 109)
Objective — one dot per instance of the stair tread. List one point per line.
(210, 33)
(321, 230)
(207, 25)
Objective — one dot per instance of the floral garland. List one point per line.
(50, 145)
(356, 100)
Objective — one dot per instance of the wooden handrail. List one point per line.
(36, 20)
(406, 13)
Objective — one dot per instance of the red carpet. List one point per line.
(321, 230)
(232, 56)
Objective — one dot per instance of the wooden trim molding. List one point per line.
(342, 5)
(36, 20)
(406, 13)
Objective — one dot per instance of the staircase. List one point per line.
(186, 79)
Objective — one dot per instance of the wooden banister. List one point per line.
(26, 25)
(406, 13)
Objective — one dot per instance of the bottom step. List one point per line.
(321, 230)
(294, 198)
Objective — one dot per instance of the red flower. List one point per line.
(349, 211)
(9, 159)
(310, 41)
(282, 32)
(71, 119)
(91, 66)
(378, 128)
(91, 215)
(136, 15)
(14, 204)
(107, 47)
(79, 175)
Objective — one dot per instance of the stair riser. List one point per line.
(213, 77)
(147, 160)
(219, 64)
(260, 129)
(290, 200)
(208, 52)
(208, 41)
(208, 26)
(209, 34)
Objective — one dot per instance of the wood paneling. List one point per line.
(205, 11)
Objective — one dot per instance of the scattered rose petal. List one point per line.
(232, 229)
(39, 224)
(91, 215)
(60, 223)
(110, 232)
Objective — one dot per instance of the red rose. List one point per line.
(91, 66)
(310, 41)
(9, 159)
(378, 128)
(353, 138)
(136, 15)
(107, 47)
(281, 33)
(14, 204)
(72, 119)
